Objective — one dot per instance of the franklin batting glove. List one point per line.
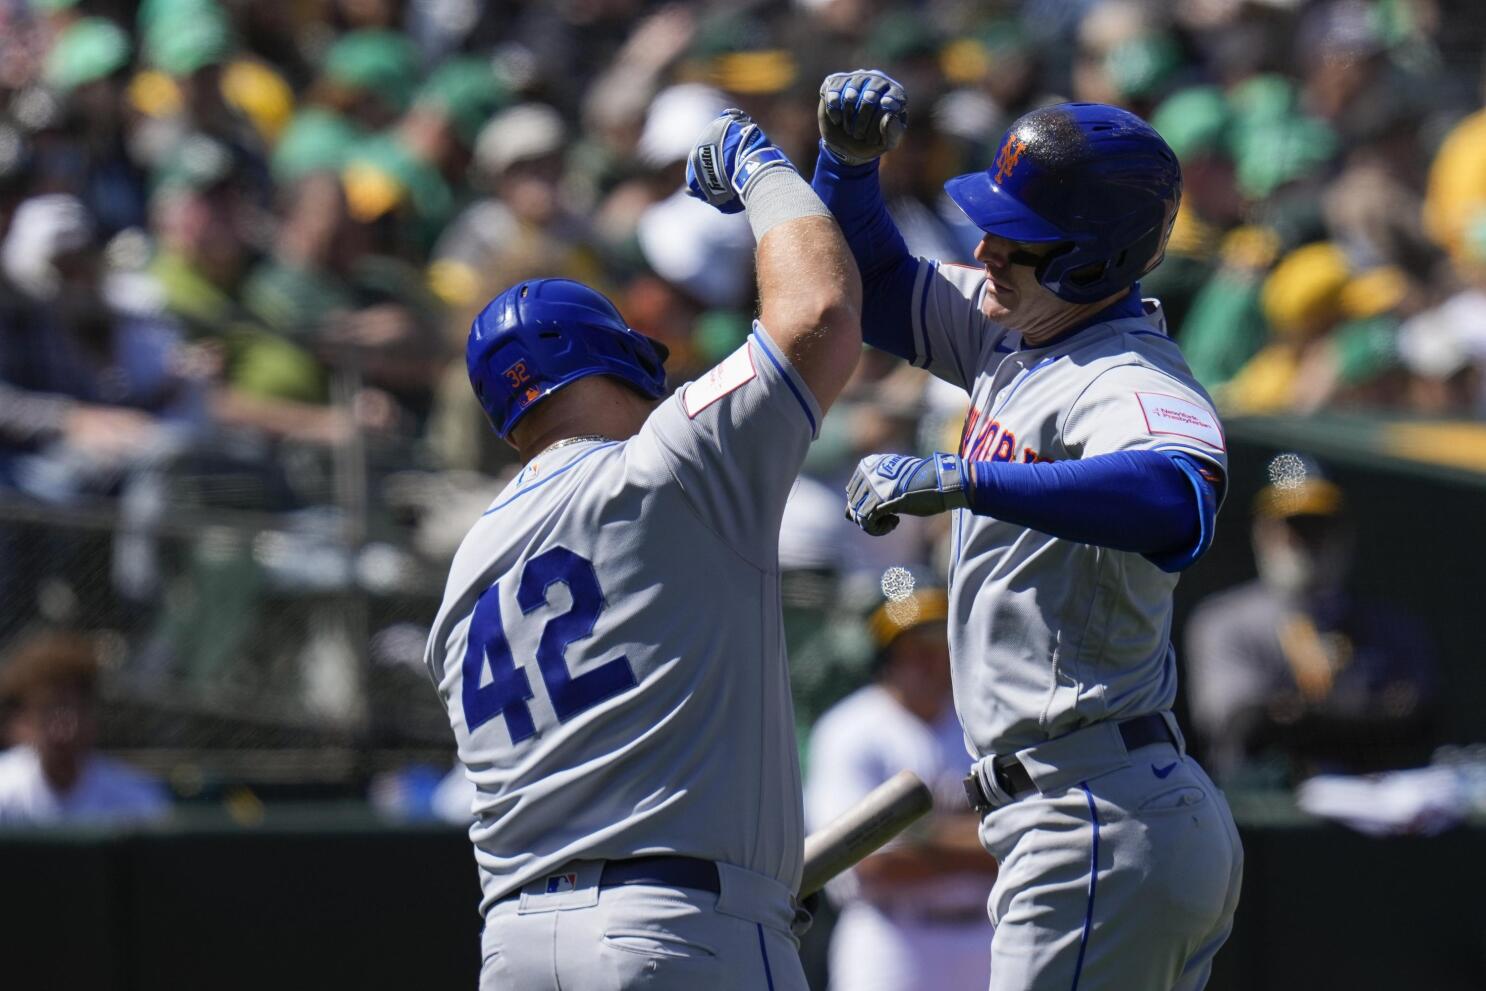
(884, 485)
(728, 158)
(862, 114)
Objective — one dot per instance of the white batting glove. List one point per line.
(884, 485)
(862, 114)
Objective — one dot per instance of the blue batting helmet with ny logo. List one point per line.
(1095, 179)
(543, 334)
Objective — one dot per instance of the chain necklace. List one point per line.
(581, 439)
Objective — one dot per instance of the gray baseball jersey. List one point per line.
(609, 648)
(1049, 635)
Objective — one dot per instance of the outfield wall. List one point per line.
(331, 899)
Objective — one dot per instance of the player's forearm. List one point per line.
(1147, 502)
(958, 832)
(807, 279)
(854, 197)
(810, 294)
(904, 864)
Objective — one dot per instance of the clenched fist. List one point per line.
(862, 114)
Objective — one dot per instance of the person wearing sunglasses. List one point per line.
(1088, 476)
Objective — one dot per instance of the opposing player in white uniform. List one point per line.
(913, 914)
(609, 648)
(1089, 474)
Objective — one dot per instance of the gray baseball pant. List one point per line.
(587, 938)
(1121, 871)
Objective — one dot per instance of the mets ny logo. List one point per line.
(1010, 154)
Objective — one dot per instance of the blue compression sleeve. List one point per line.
(1155, 503)
(854, 197)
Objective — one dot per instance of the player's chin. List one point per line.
(997, 302)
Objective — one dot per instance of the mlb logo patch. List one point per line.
(561, 882)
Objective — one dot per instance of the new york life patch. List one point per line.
(730, 374)
(1181, 418)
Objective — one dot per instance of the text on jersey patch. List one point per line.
(733, 372)
(1181, 418)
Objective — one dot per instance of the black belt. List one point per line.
(665, 871)
(1012, 777)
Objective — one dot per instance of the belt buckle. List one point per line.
(976, 794)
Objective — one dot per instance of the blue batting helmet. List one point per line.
(538, 336)
(1093, 177)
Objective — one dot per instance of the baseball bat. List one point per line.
(887, 810)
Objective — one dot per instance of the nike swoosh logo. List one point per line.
(1161, 772)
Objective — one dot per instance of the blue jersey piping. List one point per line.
(1083, 940)
(537, 485)
(769, 353)
(764, 952)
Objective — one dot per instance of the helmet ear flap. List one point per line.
(1044, 271)
(1074, 276)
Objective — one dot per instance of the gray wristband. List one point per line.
(779, 195)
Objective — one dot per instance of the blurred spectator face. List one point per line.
(99, 107)
(585, 12)
(1336, 79)
(1109, 37)
(664, 313)
(917, 669)
(201, 92)
(922, 655)
(1301, 555)
(849, 18)
(1452, 395)
(1012, 77)
(520, 153)
(1345, 54)
(59, 721)
(316, 229)
(530, 189)
(1208, 187)
(369, 13)
(49, 683)
(919, 166)
(202, 226)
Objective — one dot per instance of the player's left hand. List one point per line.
(728, 158)
(885, 485)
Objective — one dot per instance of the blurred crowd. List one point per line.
(241, 244)
(274, 221)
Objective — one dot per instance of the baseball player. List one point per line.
(913, 914)
(1089, 473)
(609, 648)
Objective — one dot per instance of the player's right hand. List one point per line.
(884, 485)
(862, 114)
(728, 158)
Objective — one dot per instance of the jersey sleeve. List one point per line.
(952, 339)
(734, 440)
(1134, 407)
